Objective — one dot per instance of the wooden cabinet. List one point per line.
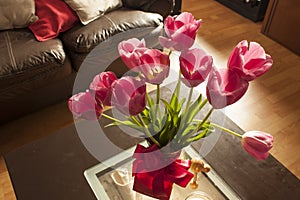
(282, 23)
(251, 9)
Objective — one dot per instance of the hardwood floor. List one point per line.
(271, 104)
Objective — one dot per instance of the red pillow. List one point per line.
(55, 16)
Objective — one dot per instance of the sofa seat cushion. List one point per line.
(24, 58)
(82, 39)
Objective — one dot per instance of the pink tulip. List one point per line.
(83, 105)
(181, 31)
(257, 144)
(155, 66)
(129, 95)
(195, 66)
(101, 86)
(225, 87)
(249, 60)
(130, 52)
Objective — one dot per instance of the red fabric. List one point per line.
(158, 183)
(55, 16)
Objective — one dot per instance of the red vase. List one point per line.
(155, 170)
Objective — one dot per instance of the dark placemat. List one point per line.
(251, 179)
(52, 167)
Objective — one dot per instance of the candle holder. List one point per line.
(198, 195)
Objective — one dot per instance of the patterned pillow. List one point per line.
(89, 10)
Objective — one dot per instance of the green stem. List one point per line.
(176, 93)
(170, 52)
(157, 107)
(157, 94)
(111, 118)
(148, 99)
(224, 129)
(205, 118)
(184, 114)
(147, 131)
(189, 98)
(136, 121)
(178, 84)
(227, 130)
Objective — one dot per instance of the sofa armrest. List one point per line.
(163, 7)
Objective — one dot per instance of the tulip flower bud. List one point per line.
(130, 52)
(249, 60)
(83, 105)
(195, 66)
(101, 86)
(155, 66)
(181, 31)
(257, 144)
(129, 95)
(225, 87)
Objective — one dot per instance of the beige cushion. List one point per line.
(89, 10)
(16, 13)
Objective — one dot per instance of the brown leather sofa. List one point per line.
(37, 74)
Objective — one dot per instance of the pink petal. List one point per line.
(166, 42)
(225, 87)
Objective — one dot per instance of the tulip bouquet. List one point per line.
(170, 125)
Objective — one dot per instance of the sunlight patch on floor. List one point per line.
(219, 59)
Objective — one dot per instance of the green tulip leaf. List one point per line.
(200, 135)
(126, 123)
(189, 130)
(174, 99)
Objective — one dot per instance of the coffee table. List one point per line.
(53, 167)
